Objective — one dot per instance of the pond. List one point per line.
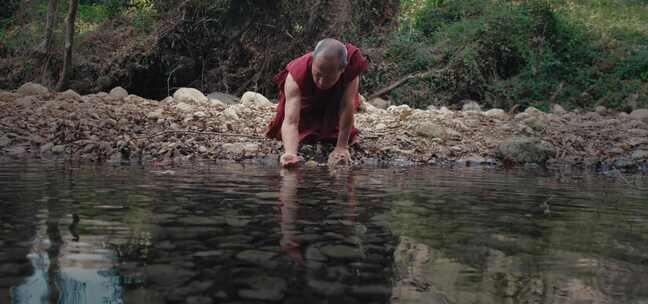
(241, 233)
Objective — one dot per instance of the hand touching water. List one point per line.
(289, 160)
(339, 156)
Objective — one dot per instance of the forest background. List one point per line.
(499, 53)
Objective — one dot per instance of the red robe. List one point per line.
(320, 109)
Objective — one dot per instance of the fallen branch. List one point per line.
(201, 133)
(397, 84)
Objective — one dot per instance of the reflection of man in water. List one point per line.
(290, 208)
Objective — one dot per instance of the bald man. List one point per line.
(318, 96)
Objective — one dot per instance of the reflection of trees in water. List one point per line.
(48, 192)
(482, 242)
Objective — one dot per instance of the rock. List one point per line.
(640, 155)
(535, 123)
(46, 147)
(341, 252)
(403, 111)
(30, 88)
(202, 149)
(264, 288)
(241, 148)
(58, 149)
(4, 141)
(558, 109)
(623, 116)
(601, 110)
(155, 114)
(134, 99)
(254, 98)
(522, 116)
(432, 108)
(167, 275)
(326, 288)
(7, 96)
(184, 107)
(624, 163)
(223, 98)
(372, 291)
(211, 256)
(217, 103)
(471, 106)
(118, 93)
(497, 114)
(641, 115)
(380, 103)
(533, 111)
(430, 129)
(169, 99)
(189, 95)
(199, 300)
(230, 114)
(258, 257)
(70, 95)
(524, 150)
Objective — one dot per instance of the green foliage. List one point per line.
(503, 53)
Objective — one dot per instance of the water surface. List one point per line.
(231, 233)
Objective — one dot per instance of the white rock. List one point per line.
(224, 98)
(641, 115)
(184, 107)
(522, 116)
(497, 114)
(471, 106)
(445, 111)
(240, 148)
(380, 103)
(601, 110)
(169, 99)
(230, 114)
(558, 109)
(432, 108)
(134, 99)
(533, 111)
(217, 103)
(30, 88)
(430, 129)
(399, 109)
(118, 93)
(155, 114)
(189, 95)
(254, 98)
(70, 95)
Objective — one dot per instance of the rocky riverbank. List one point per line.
(117, 127)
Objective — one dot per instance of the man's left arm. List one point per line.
(347, 109)
(341, 152)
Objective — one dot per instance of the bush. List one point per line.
(502, 53)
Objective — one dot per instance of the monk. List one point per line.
(318, 96)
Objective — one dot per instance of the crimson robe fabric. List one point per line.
(320, 109)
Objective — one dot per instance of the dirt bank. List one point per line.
(117, 126)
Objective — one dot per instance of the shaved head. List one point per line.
(331, 50)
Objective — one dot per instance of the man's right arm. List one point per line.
(290, 126)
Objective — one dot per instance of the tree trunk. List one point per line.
(69, 41)
(44, 50)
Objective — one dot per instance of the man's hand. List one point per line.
(289, 160)
(339, 156)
